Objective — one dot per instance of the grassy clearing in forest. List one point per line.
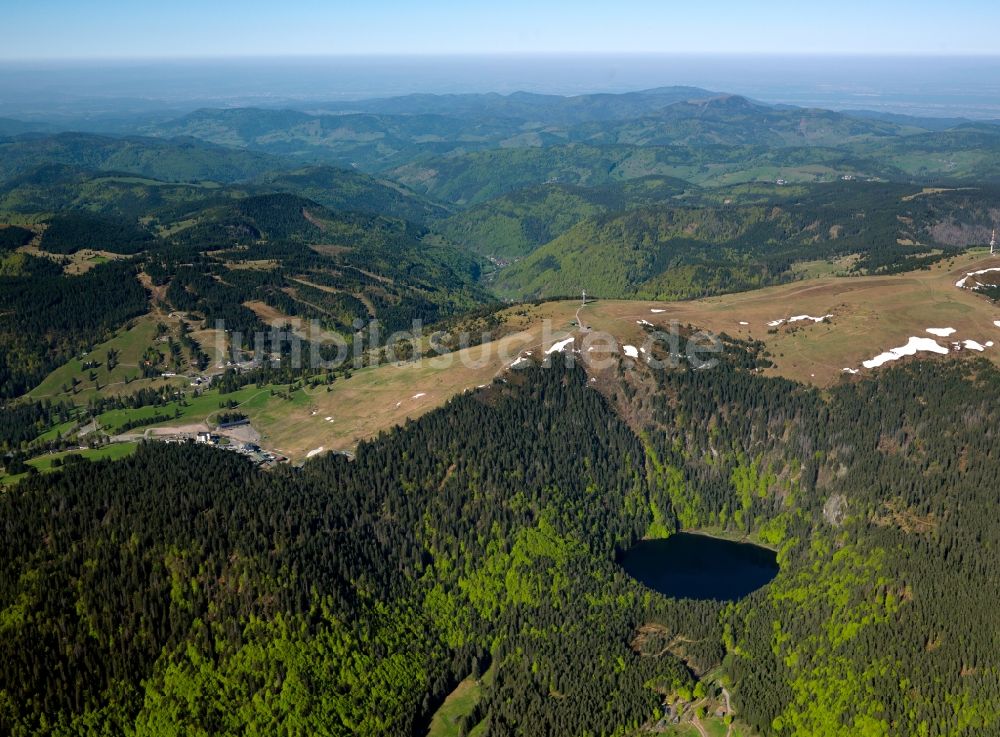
(130, 343)
(459, 702)
(46, 463)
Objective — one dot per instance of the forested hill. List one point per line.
(352, 191)
(182, 592)
(743, 238)
(334, 267)
(171, 160)
(210, 585)
(47, 317)
(515, 224)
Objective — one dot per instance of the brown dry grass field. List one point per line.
(869, 315)
(379, 398)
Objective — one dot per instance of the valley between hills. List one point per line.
(668, 412)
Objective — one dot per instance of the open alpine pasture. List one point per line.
(862, 317)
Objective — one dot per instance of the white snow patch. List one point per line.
(744, 322)
(631, 351)
(941, 332)
(328, 419)
(988, 344)
(644, 322)
(973, 345)
(997, 323)
(520, 362)
(796, 318)
(656, 311)
(314, 452)
(961, 282)
(910, 349)
(561, 345)
(419, 394)
(850, 371)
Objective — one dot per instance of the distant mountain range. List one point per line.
(392, 134)
(665, 193)
(557, 109)
(386, 133)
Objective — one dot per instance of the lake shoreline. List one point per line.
(719, 534)
(696, 565)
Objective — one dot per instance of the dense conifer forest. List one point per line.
(70, 232)
(13, 237)
(47, 317)
(180, 591)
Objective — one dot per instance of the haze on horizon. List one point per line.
(112, 29)
(74, 62)
(79, 95)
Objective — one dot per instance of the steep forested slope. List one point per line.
(46, 317)
(13, 237)
(196, 241)
(346, 598)
(747, 237)
(353, 191)
(332, 266)
(513, 225)
(182, 592)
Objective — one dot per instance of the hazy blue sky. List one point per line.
(39, 29)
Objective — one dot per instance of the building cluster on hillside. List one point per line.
(252, 451)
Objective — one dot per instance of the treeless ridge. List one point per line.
(869, 315)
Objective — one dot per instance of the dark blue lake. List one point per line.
(688, 566)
